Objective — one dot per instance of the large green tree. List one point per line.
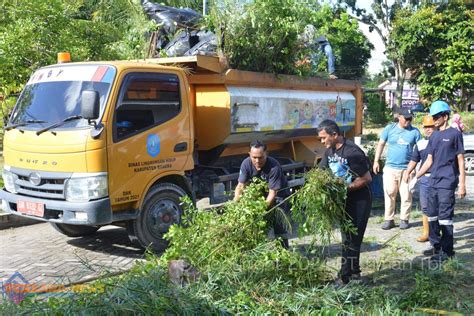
(261, 35)
(351, 47)
(437, 44)
(381, 20)
(411, 28)
(33, 31)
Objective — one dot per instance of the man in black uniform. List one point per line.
(268, 169)
(347, 161)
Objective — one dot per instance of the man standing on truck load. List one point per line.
(401, 138)
(268, 169)
(318, 46)
(446, 159)
(419, 156)
(348, 161)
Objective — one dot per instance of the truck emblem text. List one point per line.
(39, 162)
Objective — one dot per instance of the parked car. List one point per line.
(469, 155)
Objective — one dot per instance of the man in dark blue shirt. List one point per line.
(446, 160)
(268, 169)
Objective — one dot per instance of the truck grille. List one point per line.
(51, 185)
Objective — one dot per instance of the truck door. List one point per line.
(150, 133)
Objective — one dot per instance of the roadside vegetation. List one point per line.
(429, 39)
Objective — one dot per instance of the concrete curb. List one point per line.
(9, 221)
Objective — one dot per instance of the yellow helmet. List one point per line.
(428, 121)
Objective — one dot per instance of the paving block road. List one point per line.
(45, 257)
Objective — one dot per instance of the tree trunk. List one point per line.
(464, 99)
(400, 78)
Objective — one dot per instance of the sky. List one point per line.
(375, 62)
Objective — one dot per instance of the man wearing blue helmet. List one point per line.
(446, 159)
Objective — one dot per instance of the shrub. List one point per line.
(208, 238)
(378, 113)
(468, 120)
(262, 35)
(371, 137)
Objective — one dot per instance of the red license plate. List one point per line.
(30, 208)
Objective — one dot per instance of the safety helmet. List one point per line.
(428, 121)
(439, 107)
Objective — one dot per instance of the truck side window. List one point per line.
(146, 100)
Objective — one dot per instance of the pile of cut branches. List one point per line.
(208, 238)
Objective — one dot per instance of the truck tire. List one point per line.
(469, 164)
(75, 230)
(161, 209)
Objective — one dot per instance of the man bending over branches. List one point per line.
(260, 165)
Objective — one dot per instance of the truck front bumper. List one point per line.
(98, 212)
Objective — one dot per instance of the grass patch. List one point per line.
(266, 287)
(416, 213)
(370, 239)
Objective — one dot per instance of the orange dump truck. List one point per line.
(91, 144)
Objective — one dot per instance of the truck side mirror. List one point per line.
(90, 104)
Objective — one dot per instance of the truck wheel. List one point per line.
(75, 230)
(161, 209)
(469, 164)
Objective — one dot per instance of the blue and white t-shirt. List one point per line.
(400, 143)
(347, 162)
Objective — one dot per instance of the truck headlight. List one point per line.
(9, 179)
(83, 188)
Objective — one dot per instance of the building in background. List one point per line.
(410, 96)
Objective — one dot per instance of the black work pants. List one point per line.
(358, 206)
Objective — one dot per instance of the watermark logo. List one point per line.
(10, 286)
(16, 288)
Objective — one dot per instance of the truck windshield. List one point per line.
(46, 101)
